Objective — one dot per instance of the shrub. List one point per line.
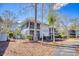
(29, 37)
(59, 36)
(11, 35)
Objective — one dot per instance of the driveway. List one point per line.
(66, 49)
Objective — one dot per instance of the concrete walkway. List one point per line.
(66, 50)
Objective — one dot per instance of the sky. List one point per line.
(23, 11)
(71, 10)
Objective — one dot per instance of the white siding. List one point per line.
(44, 30)
(3, 37)
(25, 32)
(77, 32)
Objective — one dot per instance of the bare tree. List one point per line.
(65, 25)
(8, 19)
(1, 24)
(74, 25)
(42, 17)
(24, 11)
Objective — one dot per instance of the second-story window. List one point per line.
(38, 26)
(27, 25)
(31, 25)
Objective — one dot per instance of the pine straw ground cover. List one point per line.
(68, 41)
(77, 51)
(23, 48)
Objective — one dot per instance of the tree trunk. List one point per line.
(67, 34)
(76, 34)
(42, 37)
(42, 18)
(53, 35)
(35, 31)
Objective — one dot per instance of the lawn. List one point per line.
(24, 48)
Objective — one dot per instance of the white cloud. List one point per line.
(57, 6)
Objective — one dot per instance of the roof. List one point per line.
(33, 20)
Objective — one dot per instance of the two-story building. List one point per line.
(29, 27)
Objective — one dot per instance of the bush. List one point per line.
(59, 36)
(11, 35)
(29, 37)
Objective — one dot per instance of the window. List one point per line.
(27, 25)
(38, 33)
(31, 25)
(55, 31)
(72, 32)
(38, 26)
(31, 32)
